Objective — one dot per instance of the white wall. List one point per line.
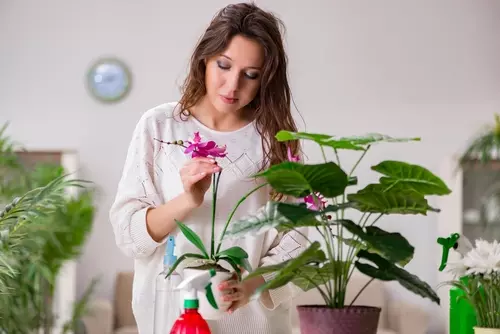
(405, 68)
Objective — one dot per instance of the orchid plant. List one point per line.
(235, 256)
(477, 274)
(348, 243)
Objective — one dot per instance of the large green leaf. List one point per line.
(371, 138)
(392, 246)
(299, 180)
(356, 143)
(287, 270)
(311, 276)
(321, 139)
(402, 175)
(387, 271)
(374, 198)
(192, 237)
(266, 218)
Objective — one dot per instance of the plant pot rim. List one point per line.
(345, 308)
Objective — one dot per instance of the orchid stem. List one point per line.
(214, 205)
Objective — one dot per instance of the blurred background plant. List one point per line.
(41, 227)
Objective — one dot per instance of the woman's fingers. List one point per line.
(197, 167)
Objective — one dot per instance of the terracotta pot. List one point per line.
(320, 319)
(206, 310)
(482, 330)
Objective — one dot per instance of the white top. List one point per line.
(151, 177)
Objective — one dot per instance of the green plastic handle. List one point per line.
(447, 243)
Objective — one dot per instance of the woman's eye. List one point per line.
(252, 76)
(223, 66)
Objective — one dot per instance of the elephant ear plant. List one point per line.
(348, 244)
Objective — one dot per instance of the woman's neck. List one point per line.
(205, 113)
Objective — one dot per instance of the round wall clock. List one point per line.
(109, 80)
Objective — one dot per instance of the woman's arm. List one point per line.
(140, 219)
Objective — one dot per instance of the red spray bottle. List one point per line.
(191, 322)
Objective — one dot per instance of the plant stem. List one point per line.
(360, 291)
(359, 160)
(234, 211)
(214, 210)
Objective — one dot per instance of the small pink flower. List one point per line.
(197, 148)
(316, 205)
(291, 157)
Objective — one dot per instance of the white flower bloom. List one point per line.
(457, 269)
(483, 259)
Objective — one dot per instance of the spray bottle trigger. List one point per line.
(447, 244)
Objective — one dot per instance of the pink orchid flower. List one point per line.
(197, 148)
(317, 205)
(291, 157)
(309, 199)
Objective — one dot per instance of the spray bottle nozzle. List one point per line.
(195, 283)
(447, 243)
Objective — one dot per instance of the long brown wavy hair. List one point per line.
(272, 102)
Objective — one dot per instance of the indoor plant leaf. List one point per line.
(266, 218)
(387, 271)
(313, 254)
(374, 199)
(321, 139)
(182, 258)
(299, 180)
(371, 138)
(311, 276)
(356, 143)
(237, 255)
(192, 237)
(402, 175)
(392, 246)
(298, 212)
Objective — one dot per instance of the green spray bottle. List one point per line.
(462, 315)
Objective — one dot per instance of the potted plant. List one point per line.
(348, 244)
(235, 256)
(40, 228)
(477, 275)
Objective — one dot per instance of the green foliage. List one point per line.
(41, 227)
(401, 190)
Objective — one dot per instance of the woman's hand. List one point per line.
(196, 176)
(239, 293)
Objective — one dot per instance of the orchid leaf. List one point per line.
(192, 237)
(181, 259)
(236, 252)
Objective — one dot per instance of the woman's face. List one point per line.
(233, 78)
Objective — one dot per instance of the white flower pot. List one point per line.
(482, 330)
(206, 310)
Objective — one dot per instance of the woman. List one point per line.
(237, 95)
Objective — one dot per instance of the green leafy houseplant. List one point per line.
(235, 256)
(349, 244)
(40, 228)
